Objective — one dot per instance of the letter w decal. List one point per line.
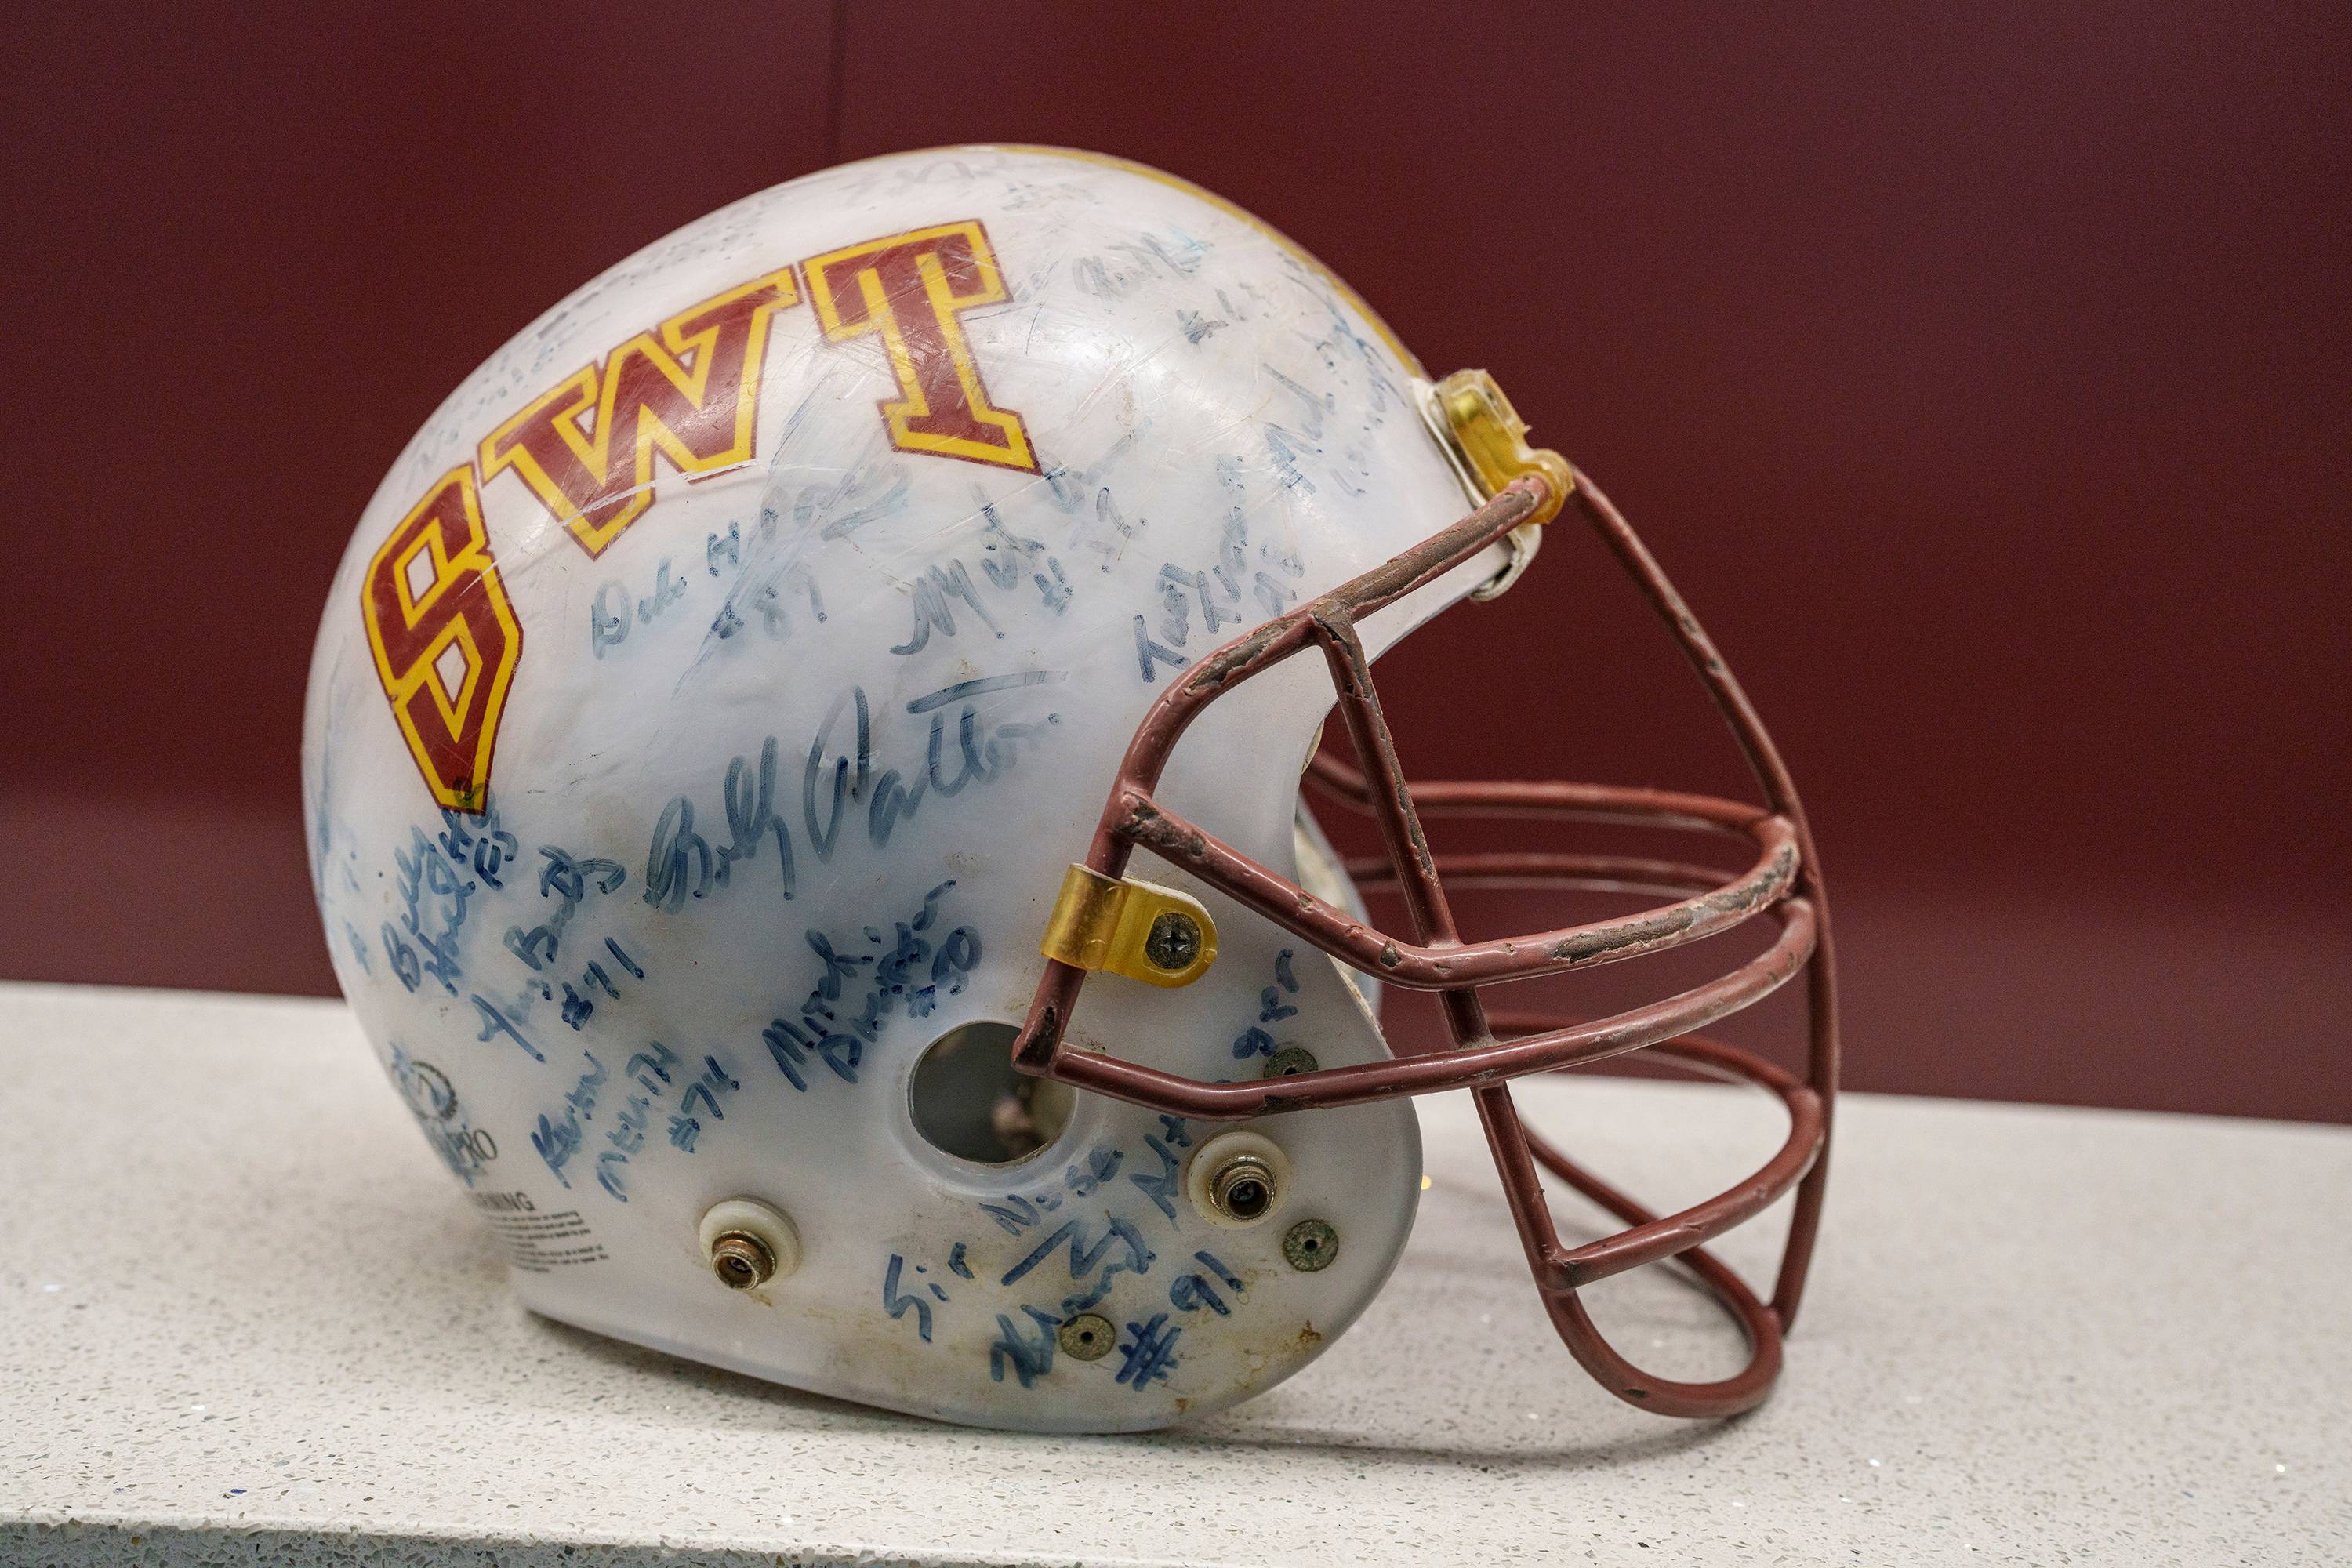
(689, 391)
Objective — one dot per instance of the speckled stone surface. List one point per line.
(245, 1317)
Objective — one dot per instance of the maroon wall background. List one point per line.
(1983, 373)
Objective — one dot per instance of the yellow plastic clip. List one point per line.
(1493, 439)
(1490, 441)
(1141, 929)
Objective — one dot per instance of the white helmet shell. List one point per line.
(708, 706)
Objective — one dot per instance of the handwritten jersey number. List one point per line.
(688, 392)
(444, 638)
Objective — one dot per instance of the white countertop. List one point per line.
(245, 1317)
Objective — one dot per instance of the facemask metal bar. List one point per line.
(1784, 882)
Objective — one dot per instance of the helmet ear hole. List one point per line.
(967, 1101)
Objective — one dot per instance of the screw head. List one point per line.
(1289, 1062)
(1173, 941)
(1087, 1337)
(1310, 1245)
(741, 1261)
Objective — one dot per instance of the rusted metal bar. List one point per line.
(1780, 793)
(1784, 881)
(1541, 868)
(1443, 965)
(1479, 1063)
(1551, 799)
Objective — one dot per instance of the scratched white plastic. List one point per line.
(968, 648)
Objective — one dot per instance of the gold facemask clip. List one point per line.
(1488, 442)
(1141, 929)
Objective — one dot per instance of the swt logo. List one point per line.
(443, 631)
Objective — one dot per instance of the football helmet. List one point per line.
(731, 736)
